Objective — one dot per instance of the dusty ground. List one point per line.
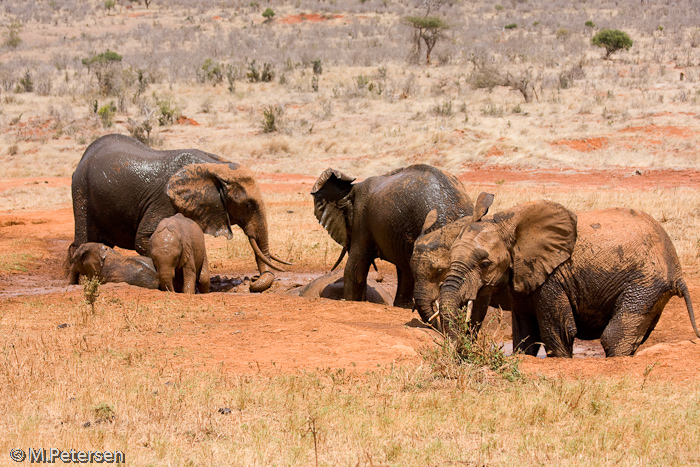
(251, 333)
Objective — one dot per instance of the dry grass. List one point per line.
(55, 381)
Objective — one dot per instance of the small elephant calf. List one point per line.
(178, 252)
(99, 260)
(331, 286)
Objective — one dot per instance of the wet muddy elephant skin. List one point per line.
(98, 260)
(382, 216)
(180, 256)
(331, 286)
(604, 274)
(122, 189)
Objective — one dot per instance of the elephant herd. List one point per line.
(592, 275)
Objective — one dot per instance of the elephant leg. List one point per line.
(189, 279)
(526, 332)
(203, 279)
(143, 234)
(356, 270)
(632, 322)
(555, 319)
(404, 292)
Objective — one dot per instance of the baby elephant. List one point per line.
(178, 252)
(98, 260)
(331, 286)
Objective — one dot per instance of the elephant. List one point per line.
(331, 286)
(604, 274)
(180, 256)
(430, 261)
(98, 260)
(382, 217)
(122, 189)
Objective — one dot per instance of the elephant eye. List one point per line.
(484, 263)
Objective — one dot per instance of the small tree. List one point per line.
(427, 29)
(105, 67)
(613, 40)
(12, 38)
(268, 14)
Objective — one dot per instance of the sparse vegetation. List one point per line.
(256, 75)
(12, 37)
(268, 14)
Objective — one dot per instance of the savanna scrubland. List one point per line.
(525, 112)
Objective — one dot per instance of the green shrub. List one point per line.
(106, 114)
(210, 71)
(268, 14)
(271, 118)
(589, 24)
(109, 4)
(105, 65)
(612, 40)
(254, 75)
(26, 84)
(12, 38)
(318, 68)
(168, 109)
(511, 26)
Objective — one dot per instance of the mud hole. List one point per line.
(248, 333)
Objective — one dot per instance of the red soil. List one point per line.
(249, 332)
(311, 18)
(186, 121)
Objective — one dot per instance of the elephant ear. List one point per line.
(545, 236)
(197, 191)
(482, 205)
(332, 203)
(430, 221)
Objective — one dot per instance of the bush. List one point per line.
(271, 118)
(268, 14)
(210, 71)
(168, 110)
(589, 24)
(26, 84)
(105, 67)
(106, 114)
(254, 75)
(612, 40)
(318, 68)
(12, 38)
(511, 26)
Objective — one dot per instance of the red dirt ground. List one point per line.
(249, 333)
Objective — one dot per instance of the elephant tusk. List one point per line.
(340, 258)
(434, 316)
(260, 255)
(470, 307)
(280, 260)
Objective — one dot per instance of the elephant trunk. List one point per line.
(457, 291)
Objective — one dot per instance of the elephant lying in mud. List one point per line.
(98, 260)
(331, 286)
(180, 256)
(601, 274)
(122, 189)
(382, 216)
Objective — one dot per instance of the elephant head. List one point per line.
(332, 194)
(217, 196)
(518, 248)
(430, 261)
(87, 260)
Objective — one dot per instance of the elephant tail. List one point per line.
(682, 290)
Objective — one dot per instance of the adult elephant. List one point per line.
(602, 274)
(122, 189)
(430, 261)
(382, 216)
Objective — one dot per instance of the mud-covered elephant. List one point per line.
(122, 189)
(98, 260)
(331, 286)
(382, 216)
(430, 261)
(601, 274)
(180, 255)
